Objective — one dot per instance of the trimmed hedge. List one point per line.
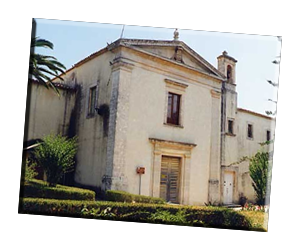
(121, 196)
(151, 213)
(40, 189)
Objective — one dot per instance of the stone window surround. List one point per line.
(179, 89)
(87, 99)
(173, 149)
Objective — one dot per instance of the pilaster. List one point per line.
(118, 124)
(215, 150)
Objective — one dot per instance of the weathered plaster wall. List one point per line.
(92, 131)
(145, 118)
(249, 147)
(46, 112)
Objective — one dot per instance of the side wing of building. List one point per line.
(253, 129)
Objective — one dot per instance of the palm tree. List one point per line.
(42, 68)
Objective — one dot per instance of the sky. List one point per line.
(73, 41)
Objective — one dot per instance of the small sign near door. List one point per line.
(140, 170)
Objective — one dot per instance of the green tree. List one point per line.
(260, 173)
(43, 68)
(56, 156)
(260, 169)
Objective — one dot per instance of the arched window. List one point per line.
(229, 72)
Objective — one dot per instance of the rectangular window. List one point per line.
(173, 108)
(250, 131)
(92, 101)
(268, 135)
(230, 126)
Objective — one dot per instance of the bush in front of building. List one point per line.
(56, 154)
(121, 196)
(28, 171)
(40, 189)
(260, 172)
(138, 212)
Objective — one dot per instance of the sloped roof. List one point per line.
(255, 113)
(57, 85)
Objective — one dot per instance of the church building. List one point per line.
(154, 118)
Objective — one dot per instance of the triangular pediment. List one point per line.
(176, 51)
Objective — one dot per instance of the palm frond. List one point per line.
(43, 67)
(37, 42)
(43, 56)
(45, 81)
(47, 71)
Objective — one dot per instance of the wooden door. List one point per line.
(169, 181)
(228, 188)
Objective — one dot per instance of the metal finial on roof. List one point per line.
(225, 53)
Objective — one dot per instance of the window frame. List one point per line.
(252, 131)
(90, 111)
(177, 88)
(174, 118)
(230, 120)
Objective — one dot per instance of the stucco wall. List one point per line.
(146, 117)
(91, 131)
(46, 112)
(249, 147)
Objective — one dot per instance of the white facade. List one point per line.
(131, 83)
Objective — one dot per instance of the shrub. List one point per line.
(139, 212)
(56, 156)
(121, 196)
(40, 189)
(242, 200)
(165, 217)
(258, 219)
(29, 171)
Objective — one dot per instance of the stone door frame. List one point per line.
(181, 150)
